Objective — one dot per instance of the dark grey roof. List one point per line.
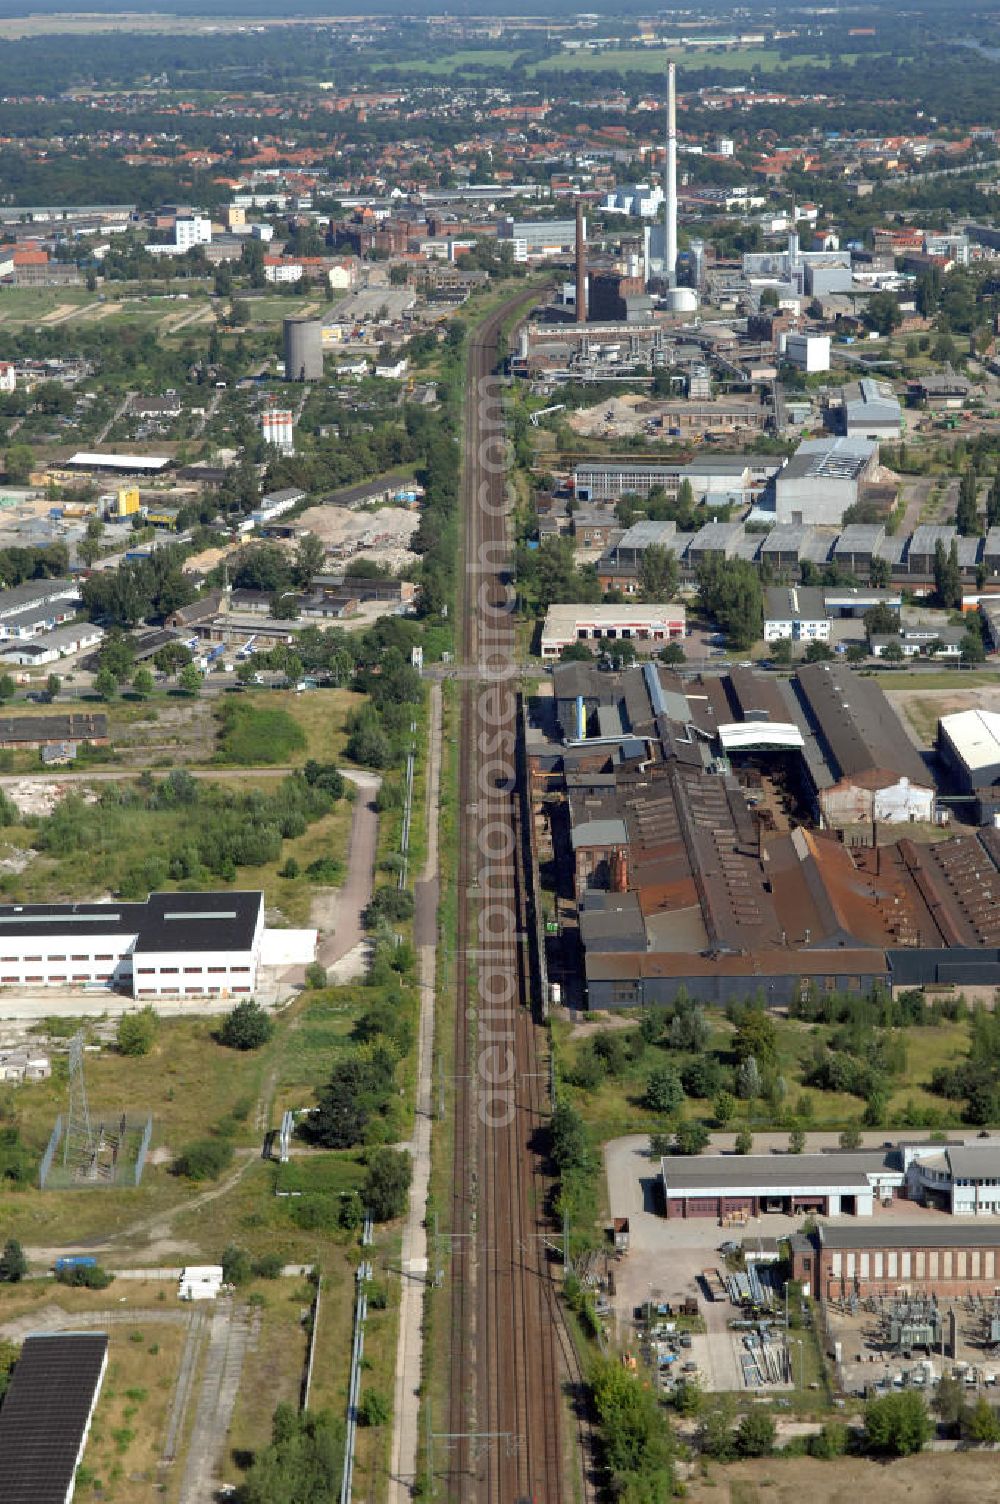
(859, 730)
(686, 1174)
(45, 1414)
(974, 1161)
(199, 921)
(167, 921)
(880, 1233)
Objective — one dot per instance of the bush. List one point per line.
(315, 975)
(755, 1435)
(136, 1032)
(205, 1159)
(387, 1184)
(247, 1027)
(897, 1425)
(89, 1276)
(13, 1264)
(237, 1265)
(390, 904)
(374, 1409)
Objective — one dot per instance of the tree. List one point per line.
(818, 652)
(246, 1027)
(723, 1108)
(850, 1138)
(189, 679)
(105, 684)
(237, 1265)
(309, 557)
(691, 1137)
(881, 621)
(947, 575)
(893, 652)
(19, 462)
(993, 503)
(53, 685)
(570, 1148)
(973, 650)
(387, 1184)
(13, 1263)
(781, 650)
(315, 975)
(949, 1400)
(89, 551)
(748, 1082)
(796, 1141)
(755, 1434)
(658, 573)
(142, 683)
(879, 573)
(8, 689)
(730, 592)
(664, 1093)
(857, 652)
(302, 1463)
(967, 512)
(756, 1035)
(136, 1032)
(983, 1424)
(744, 1141)
(897, 1425)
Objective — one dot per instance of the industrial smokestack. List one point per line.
(581, 265)
(670, 229)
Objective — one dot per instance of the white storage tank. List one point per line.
(681, 300)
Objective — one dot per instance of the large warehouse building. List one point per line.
(173, 945)
(686, 882)
(960, 1178)
(969, 745)
(931, 1258)
(863, 766)
(823, 479)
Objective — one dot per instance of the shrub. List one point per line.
(391, 904)
(897, 1425)
(237, 1265)
(90, 1276)
(315, 975)
(374, 1409)
(247, 1027)
(205, 1159)
(136, 1032)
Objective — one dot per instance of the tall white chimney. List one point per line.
(670, 230)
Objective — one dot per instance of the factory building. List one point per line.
(823, 479)
(536, 239)
(969, 745)
(173, 945)
(871, 411)
(647, 627)
(940, 1259)
(808, 352)
(795, 614)
(862, 766)
(828, 1184)
(703, 895)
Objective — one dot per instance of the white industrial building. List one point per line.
(647, 627)
(534, 239)
(173, 945)
(796, 614)
(823, 479)
(808, 352)
(189, 230)
(49, 647)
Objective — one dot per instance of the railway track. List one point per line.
(509, 1354)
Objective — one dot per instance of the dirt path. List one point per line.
(336, 913)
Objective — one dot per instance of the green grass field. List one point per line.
(453, 62)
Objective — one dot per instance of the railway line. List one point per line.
(509, 1357)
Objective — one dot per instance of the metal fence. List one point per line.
(140, 1158)
(49, 1155)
